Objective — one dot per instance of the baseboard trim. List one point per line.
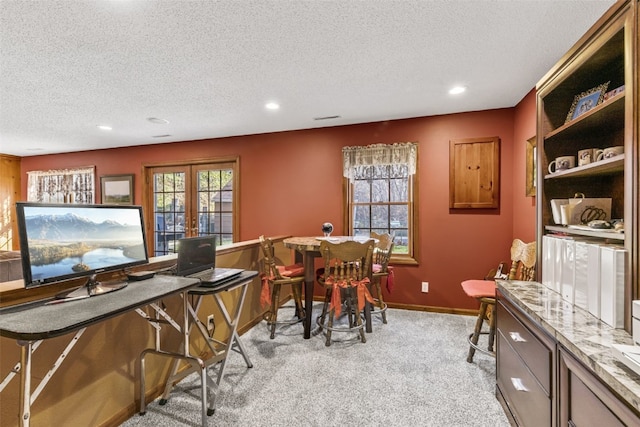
(433, 309)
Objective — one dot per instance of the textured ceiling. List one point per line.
(209, 67)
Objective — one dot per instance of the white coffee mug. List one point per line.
(562, 163)
(610, 152)
(588, 155)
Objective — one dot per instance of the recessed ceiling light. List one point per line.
(104, 127)
(272, 106)
(157, 121)
(457, 90)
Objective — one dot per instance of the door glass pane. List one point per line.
(215, 204)
(169, 210)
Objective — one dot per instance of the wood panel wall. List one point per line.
(9, 194)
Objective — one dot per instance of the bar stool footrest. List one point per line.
(477, 348)
(267, 316)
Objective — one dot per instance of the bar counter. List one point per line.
(580, 332)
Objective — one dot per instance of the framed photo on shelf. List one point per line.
(117, 189)
(586, 101)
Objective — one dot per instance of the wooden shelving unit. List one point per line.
(605, 55)
(563, 391)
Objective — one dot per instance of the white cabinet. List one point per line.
(612, 269)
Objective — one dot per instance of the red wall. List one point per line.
(524, 207)
(291, 182)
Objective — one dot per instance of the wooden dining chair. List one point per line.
(523, 260)
(381, 270)
(274, 276)
(345, 277)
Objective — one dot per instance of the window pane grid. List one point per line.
(380, 202)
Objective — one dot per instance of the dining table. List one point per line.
(307, 249)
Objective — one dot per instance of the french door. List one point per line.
(187, 200)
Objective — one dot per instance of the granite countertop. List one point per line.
(583, 334)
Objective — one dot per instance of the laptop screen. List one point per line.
(196, 254)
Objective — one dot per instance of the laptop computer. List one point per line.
(197, 259)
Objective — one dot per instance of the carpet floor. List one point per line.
(410, 372)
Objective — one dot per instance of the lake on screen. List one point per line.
(95, 259)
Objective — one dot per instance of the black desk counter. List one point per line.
(36, 320)
(226, 286)
(32, 323)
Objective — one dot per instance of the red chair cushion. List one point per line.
(479, 288)
(294, 270)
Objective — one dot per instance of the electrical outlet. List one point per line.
(425, 287)
(210, 323)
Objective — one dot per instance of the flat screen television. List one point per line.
(65, 241)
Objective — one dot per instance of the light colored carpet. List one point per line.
(411, 371)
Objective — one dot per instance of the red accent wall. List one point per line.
(291, 182)
(524, 207)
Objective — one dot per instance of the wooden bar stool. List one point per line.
(381, 269)
(274, 276)
(523, 259)
(346, 274)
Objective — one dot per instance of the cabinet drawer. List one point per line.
(535, 354)
(585, 409)
(585, 401)
(529, 403)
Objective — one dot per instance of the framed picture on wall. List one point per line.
(117, 189)
(531, 167)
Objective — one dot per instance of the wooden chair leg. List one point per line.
(329, 326)
(492, 325)
(351, 307)
(275, 297)
(325, 305)
(354, 293)
(381, 301)
(477, 330)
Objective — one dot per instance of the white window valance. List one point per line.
(354, 158)
(62, 186)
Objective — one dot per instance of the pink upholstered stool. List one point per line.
(523, 261)
(485, 292)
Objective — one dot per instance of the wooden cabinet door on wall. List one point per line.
(474, 173)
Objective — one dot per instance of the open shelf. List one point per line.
(607, 115)
(603, 167)
(600, 234)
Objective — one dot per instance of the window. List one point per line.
(381, 195)
(191, 200)
(62, 186)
